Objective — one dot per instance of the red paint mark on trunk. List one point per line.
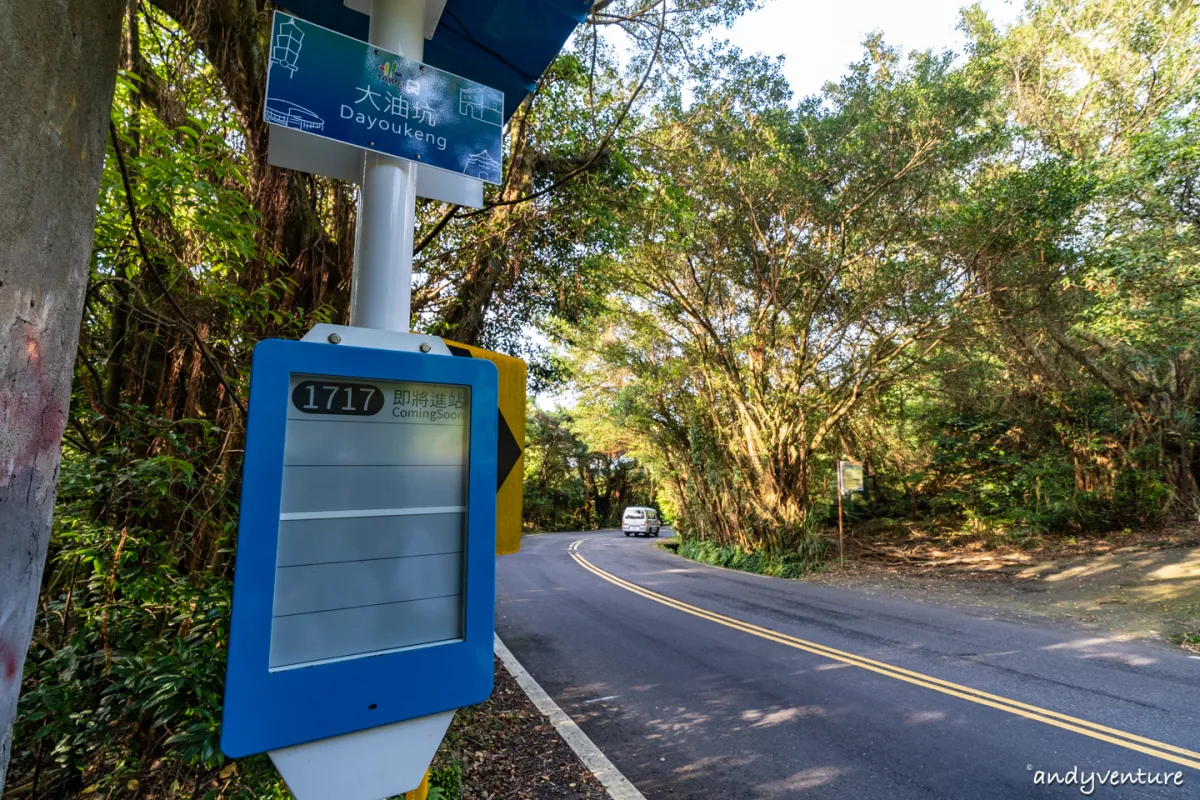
(8, 662)
(34, 415)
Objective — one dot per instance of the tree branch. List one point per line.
(150, 265)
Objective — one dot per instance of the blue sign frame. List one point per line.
(323, 83)
(267, 710)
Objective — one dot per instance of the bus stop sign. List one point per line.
(325, 84)
(364, 592)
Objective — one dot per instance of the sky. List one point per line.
(820, 38)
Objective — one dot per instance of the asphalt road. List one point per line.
(699, 682)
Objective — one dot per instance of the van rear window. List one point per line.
(635, 514)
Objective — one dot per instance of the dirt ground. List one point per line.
(1143, 585)
(509, 751)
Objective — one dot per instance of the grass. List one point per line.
(808, 557)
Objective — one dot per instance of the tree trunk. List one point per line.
(59, 61)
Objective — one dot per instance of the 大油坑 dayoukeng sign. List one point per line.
(323, 83)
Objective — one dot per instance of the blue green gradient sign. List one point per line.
(329, 85)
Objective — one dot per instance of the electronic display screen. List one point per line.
(373, 519)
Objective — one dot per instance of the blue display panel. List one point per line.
(365, 584)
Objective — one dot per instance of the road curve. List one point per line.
(699, 682)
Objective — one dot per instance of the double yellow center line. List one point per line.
(1141, 744)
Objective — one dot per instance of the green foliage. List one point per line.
(791, 267)
(446, 781)
(1022, 475)
(1085, 75)
(977, 277)
(131, 652)
(570, 486)
(808, 556)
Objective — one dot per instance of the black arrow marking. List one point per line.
(508, 452)
(508, 449)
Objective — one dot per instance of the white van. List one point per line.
(640, 520)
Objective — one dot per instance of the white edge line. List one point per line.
(616, 784)
(370, 512)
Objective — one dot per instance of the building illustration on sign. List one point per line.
(285, 50)
(482, 165)
(482, 104)
(289, 115)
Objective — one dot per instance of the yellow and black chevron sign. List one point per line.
(510, 446)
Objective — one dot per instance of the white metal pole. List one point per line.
(381, 286)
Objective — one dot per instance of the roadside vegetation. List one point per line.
(976, 273)
(570, 486)
(794, 564)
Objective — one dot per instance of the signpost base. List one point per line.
(368, 765)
